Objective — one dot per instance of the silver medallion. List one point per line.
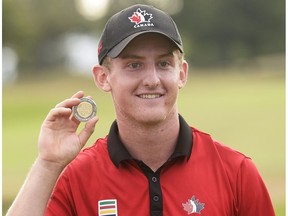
(86, 110)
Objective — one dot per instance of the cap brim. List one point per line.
(116, 50)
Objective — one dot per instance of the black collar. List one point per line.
(119, 153)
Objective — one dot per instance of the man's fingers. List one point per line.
(87, 131)
(73, 101)
(78, 94)
(58, 112)
(68, 103)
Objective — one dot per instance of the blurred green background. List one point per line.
(235, 92)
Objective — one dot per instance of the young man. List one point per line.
(151, 162)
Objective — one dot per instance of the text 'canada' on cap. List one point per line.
(131, 22)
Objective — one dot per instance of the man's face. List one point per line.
(145, 79)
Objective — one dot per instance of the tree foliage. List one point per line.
(220, 31)
(214, 32)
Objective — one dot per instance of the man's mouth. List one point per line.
(149, 96)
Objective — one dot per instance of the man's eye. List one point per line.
(134, 65)
(164, 64)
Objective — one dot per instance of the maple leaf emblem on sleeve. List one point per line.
(193, 206)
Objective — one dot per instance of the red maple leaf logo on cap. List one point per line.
(135, 18)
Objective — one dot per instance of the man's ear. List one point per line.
(183, 76)
(100, 74)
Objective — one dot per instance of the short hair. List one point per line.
(107, 62)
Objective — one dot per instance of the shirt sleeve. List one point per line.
(61, 201)
(252, 194)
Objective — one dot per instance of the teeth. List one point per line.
(149, 96)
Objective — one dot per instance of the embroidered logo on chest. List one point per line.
(193, 206)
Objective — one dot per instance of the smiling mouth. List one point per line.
(149, 96)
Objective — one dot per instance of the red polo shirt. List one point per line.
(202, 176)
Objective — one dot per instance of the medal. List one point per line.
(86, 110)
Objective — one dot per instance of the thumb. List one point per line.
(87, 131)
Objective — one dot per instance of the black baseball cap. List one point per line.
(131, 22)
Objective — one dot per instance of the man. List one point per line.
(151, 162)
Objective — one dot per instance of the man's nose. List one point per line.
(151, 78)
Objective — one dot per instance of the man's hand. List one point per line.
(58, 145)
(58, 141)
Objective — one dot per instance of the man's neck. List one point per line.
(152, 144)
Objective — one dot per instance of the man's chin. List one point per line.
(152, 119)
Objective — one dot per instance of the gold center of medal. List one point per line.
(85, 109)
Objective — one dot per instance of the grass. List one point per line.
(245, 110)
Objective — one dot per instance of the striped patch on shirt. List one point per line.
(107, 207)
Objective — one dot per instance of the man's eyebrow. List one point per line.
(168, 54)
